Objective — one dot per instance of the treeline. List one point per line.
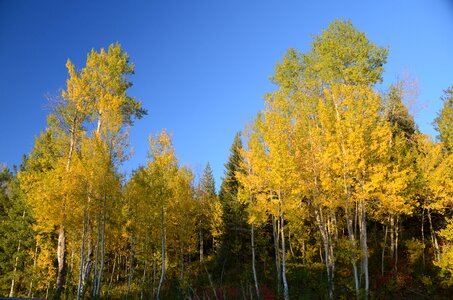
(331, 192)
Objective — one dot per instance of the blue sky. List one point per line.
(202, 67)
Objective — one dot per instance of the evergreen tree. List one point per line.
(209, 213)
(234, 250)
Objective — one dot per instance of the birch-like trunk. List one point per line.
(101, 268)
(364, 246)
(433, 237)
(396, 243)
(423, 235)
(88, 263)
(111, 276)
(276, 234)
(142, 293)
(82, 259)
(383, 250)
(255, 278)
(392, 236)
(349, 218)
(352, 243)
(30, 294)
(61, 257)
(153, 283)
(131, 265)
(11, 291)
(162, 275)
(285, 283)
(328, 249)
(61, 247)
(96, 259)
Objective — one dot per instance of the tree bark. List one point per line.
(353, 246)
(11, 292)
(162, 275)
(255, 278)
(131, 261)
(30, 294)
(285, 283)
(328, 249)
(276, 234)
(96, 259)
(423, 235)
(364, 245)
(61, 257)
(142, 293)
(383, 251)
(396, 243)
(113, 272)
(153, 283)
(433, 238)
(88, 262)
(101, 268)
(82, 260)
(201, 243)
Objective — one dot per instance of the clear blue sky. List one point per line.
(202, 67)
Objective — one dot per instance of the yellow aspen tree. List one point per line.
(353, 126)
(254, 191)
(162, 167)
(432, 164)
(277, 135)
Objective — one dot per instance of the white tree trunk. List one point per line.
(352, 243)
(276, 234)
(364, 246)
(285, 283)
(255, 278)
(61, 257)
(162, 275)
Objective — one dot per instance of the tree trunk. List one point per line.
(142, 293)
(201, 243)
(162, 275)
(88, 263)
(96, 259)
(30, 294)
(111, 276)
(423, 235)
(276, 234)
(181, 275)
(153, 283)
(101, 268)
(433, 238)
(61, 257)
(285, 283)
(328, 249)
(131, 261)
(11, 292)
(364, 246)
(82, 260)
(210, 280)
(353, 246)
(255, 278)
(396, 243)
(383, 251)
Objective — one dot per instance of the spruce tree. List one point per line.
(235, 249)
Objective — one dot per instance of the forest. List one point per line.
(331, 192)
